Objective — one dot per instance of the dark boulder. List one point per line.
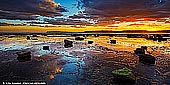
(113, 41)
(28, 38)
(79, 38)
(139, 51)
(146, 59)
(68, 43)
(90, 42)
(23, 56)
(46, 48)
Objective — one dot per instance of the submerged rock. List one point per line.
(124, 74)
(90, 42)
(146, 59)
(162, 39)
(113, 41)
(79, 38)
(68, 43)
(23, 56)
(158, 38)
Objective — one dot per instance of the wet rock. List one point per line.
(144, 47)
(79, 38)
(34, 39)
(90, 42)
(68, 43)
(46, 48)
(113, 41)
(146, 59)
(124, 75)
(161, 39)
(139, 51)
(150, 37)
(34, 35)
(23, 56)
(28, 38)
(158, 38)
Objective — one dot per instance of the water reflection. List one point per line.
(91, 63)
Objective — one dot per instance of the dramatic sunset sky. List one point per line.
(83, 15)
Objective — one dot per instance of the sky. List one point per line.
(111, 13)
(69, 5)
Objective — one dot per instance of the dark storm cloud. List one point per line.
(29, 9)
(122, 8)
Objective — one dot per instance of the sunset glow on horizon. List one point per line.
(121, 26)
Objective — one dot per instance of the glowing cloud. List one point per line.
(29, 9)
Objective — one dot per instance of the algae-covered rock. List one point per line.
(124, 74)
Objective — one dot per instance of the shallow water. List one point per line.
(85, 64)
